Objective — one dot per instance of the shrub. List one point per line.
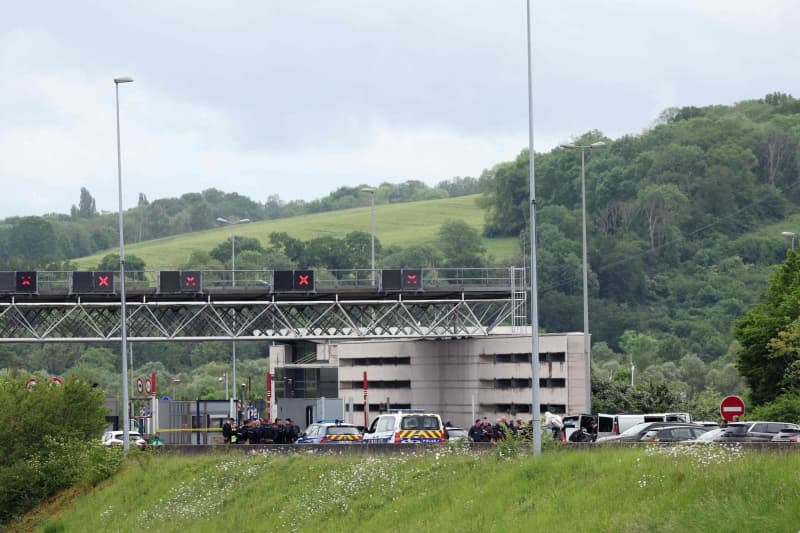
(785, 408)
(51, 440)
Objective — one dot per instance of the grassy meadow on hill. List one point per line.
(680, 488)
(402, 224)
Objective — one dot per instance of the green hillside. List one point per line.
(401, 224)
(684, 488)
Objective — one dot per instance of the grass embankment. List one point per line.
(402, 224)
(631, 489)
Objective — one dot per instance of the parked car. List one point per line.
(753, 431)
(115, 438)
(674, 433)
(331, 433)
(635, 433)
(787, 435)
(454, 433)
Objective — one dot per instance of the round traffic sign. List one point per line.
(139, 385)
(30, 383)
(148, 386)
(730, 407)
(56, 381)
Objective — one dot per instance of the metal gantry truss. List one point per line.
(319, 319)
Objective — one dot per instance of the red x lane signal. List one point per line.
(103, 282)
(303, 280)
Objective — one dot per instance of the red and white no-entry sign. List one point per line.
(731, 406)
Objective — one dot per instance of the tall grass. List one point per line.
(683, 488)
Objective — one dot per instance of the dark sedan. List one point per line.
(674, 434)
(635, 433)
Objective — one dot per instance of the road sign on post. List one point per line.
(731, 407)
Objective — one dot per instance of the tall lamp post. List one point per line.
(372, 190)
(536, 414)
(791, 234)
(233, 222)
(586, 356)
(126, 445)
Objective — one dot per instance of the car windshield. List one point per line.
(343, 430)
(420, 422)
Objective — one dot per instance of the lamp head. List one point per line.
(220, 219)
(124, 79)
(368, 189)
(788, 233)
(598, 144)
(568, 146)
(244, 221)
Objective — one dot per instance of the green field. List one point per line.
(683, 488)
(402, 224)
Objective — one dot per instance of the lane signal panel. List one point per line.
(293, 281)
(19, 282)
(92, 282)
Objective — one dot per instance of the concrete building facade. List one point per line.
(461, 379)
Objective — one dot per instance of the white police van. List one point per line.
(406, 426)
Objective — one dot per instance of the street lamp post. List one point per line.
(586, 352)
(536, 414)
(126, 445)
(371, 190)
(791, 234)
(233, 222)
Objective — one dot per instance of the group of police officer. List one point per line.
(263, 431)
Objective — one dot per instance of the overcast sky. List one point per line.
(298, 98)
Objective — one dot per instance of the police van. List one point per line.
(406, 426)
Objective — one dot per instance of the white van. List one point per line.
(623, 422)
